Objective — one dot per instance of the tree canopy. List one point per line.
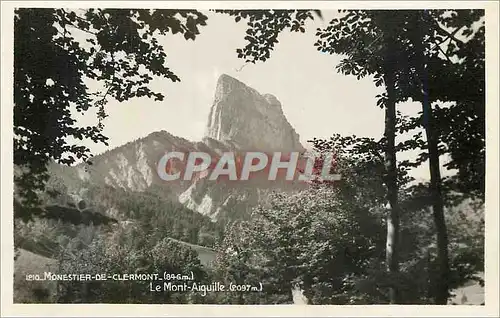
(57, 53)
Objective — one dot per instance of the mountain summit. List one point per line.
(251, 121)
(241, 119)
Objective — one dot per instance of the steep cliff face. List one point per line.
(242, 116)
(241, 119)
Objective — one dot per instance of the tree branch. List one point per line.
(76, 26)
(449, 35)
(445, 55)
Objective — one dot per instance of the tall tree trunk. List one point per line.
(392, 243)
(441, 293)
(435, 190)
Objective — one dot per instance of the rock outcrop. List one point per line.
(241, 119)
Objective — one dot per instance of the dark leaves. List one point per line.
(120, 50)
(264, 27)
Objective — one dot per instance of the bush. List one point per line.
(126, 251)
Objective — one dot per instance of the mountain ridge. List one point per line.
(246, 121)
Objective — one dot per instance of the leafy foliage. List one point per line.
(454, 49)
(417, 57)
(328, 239)
(126, 251)
(117, 48)
(264, 26)
(306, 239)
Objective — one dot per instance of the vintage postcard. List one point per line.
(250, 158)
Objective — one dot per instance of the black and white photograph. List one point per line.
(250, 154)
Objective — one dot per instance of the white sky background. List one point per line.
(316, 100)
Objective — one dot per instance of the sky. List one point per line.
(316, 99)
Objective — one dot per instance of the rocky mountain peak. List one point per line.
(241, 119)
(242, 116)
